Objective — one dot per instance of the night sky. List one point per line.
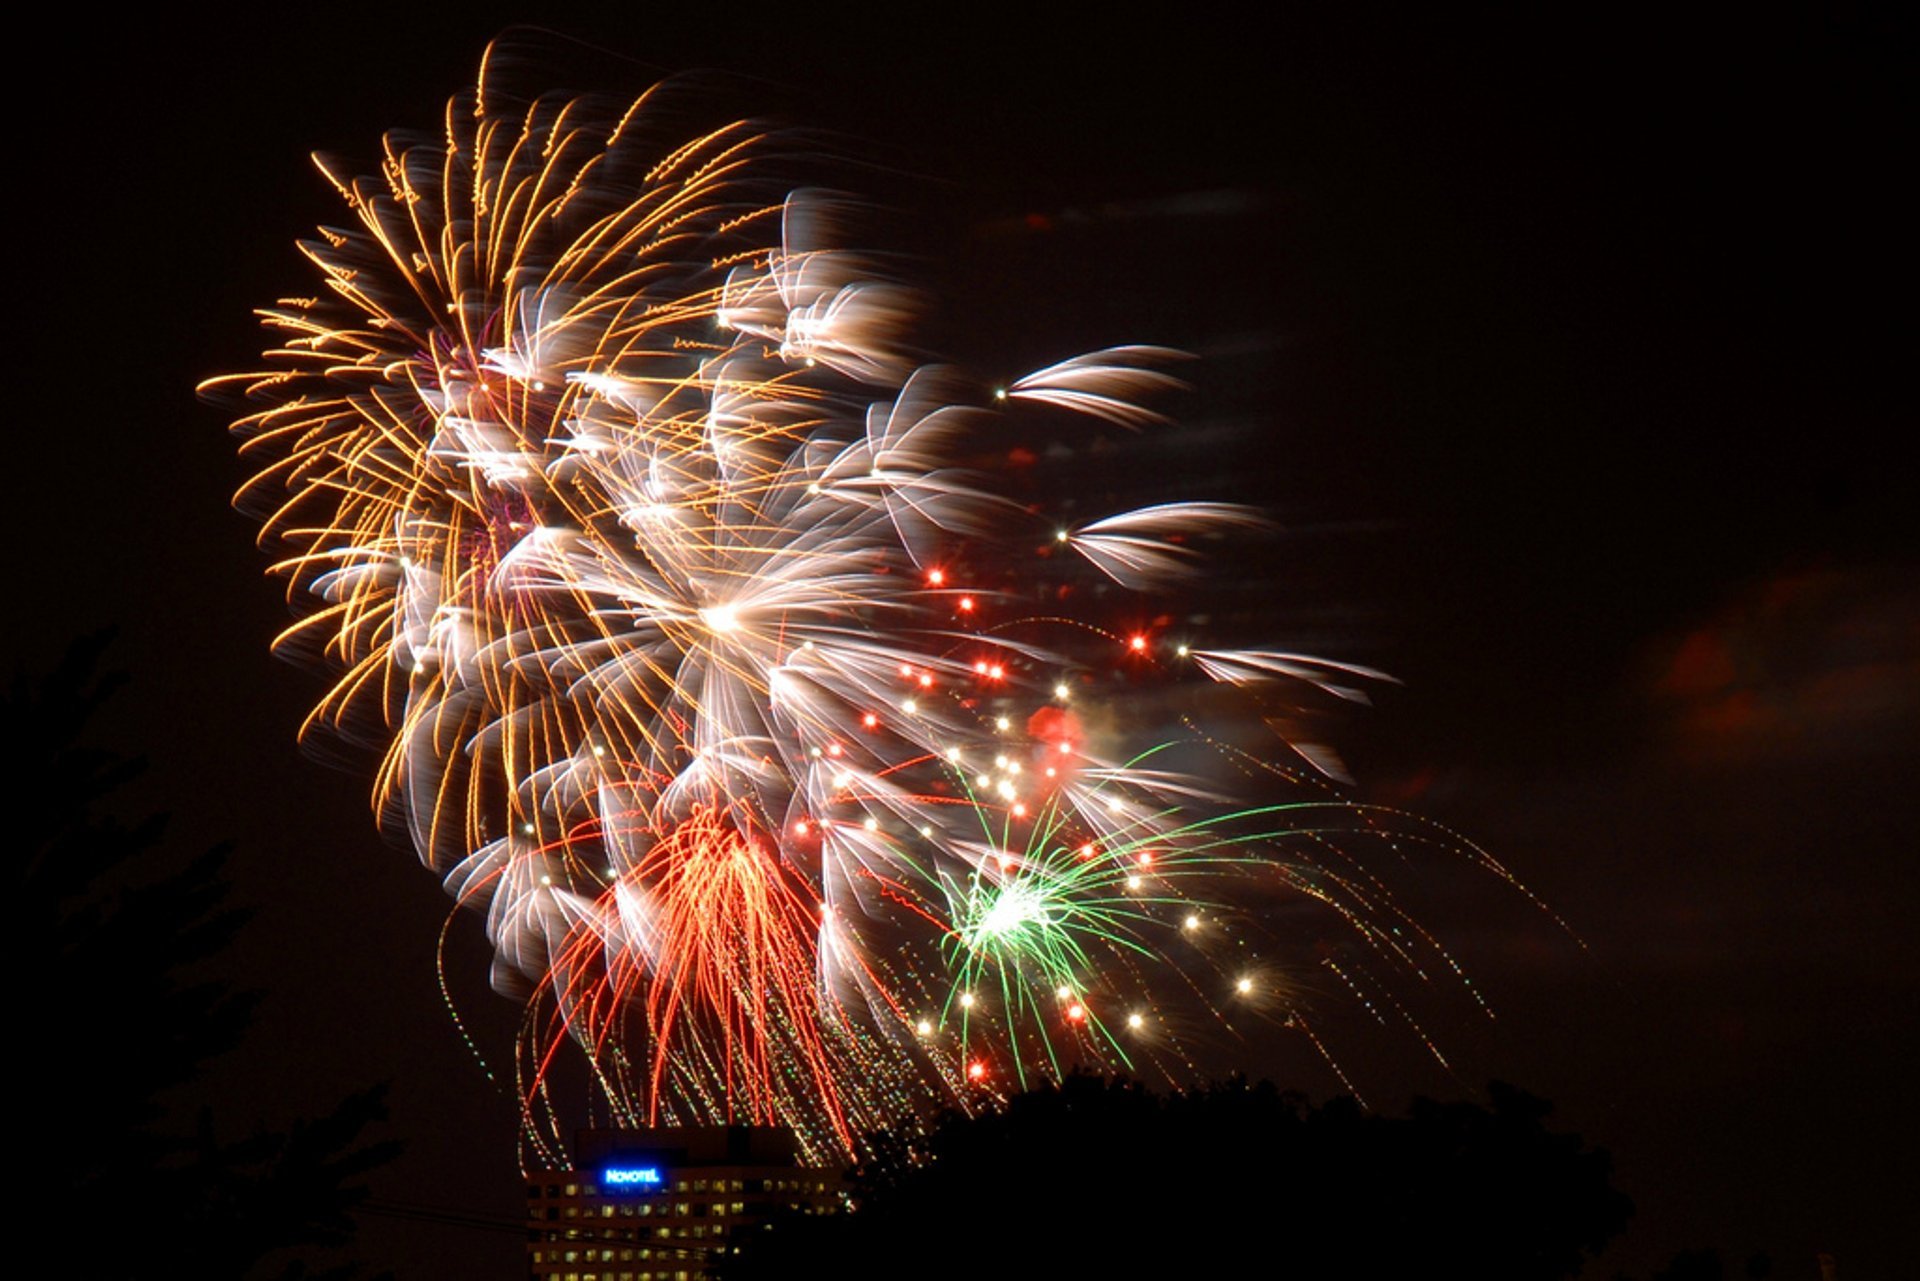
(1563, 355)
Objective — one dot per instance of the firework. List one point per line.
(656, 570)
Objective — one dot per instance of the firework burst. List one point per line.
(604, 484)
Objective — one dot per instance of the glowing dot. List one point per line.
(980, 666)
(1243, 986)
(1134, 1021)
(926, 681)
(813, 487)
(1138, 644)
(1019, 811)
(1182, 651)
(966, 603)
(924, 1027)
(1066, 748)
(926, 831)
(906, 670)
(996, 671)
(546, 880)
(1006, 789)
(1061, 692)
(1146, 858)
(909, 707)
(599, 750)
(801, 828)
(936, 576)
(999, 393)
(1192, 922)
(806, 644)
(870, 720)
(1008, 862)
(833, 749)
(1060, 535)
(1063, 992)
(721, 618)
(1000, 762)
(841, 780)
(527, 828)
(1076, 1012)
(1052, 772)
(953, 754)
(1013, 767)
(871, 824)
(813, 751)
(984, 781)
(1002, 723)
(1133, 882)
(975, 1071)
(1113, 805)
(1086, 851)
(966, 1000)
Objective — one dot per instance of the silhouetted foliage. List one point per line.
(115, 1008)
(1105, 1175)
(1708, 1265)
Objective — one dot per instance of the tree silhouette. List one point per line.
(113, 994)
(1104, 1175)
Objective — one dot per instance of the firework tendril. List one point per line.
(599, 476)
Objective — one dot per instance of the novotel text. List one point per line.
(631, 1176)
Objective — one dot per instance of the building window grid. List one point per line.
(766, 1192)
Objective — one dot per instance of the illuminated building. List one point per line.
(657, 1205)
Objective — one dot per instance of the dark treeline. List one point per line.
(1235, 1179)
(118, 1004)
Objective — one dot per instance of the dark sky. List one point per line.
(1564, 353)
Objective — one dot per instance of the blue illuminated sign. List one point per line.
(631, 1176)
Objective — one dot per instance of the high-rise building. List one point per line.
(660, 1205)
